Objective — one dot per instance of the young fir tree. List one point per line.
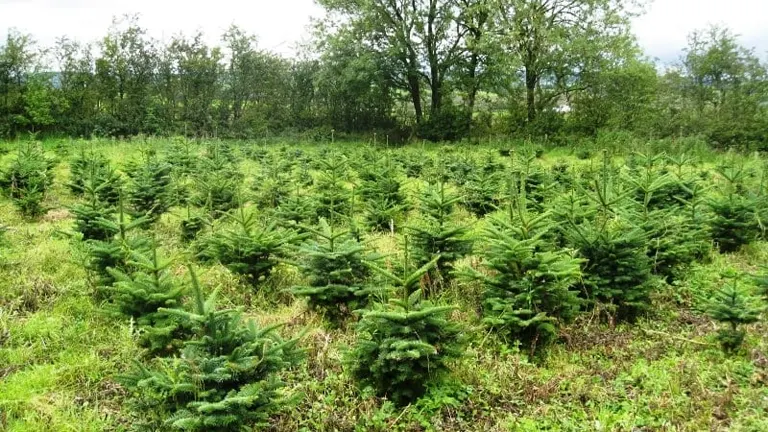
(226, 379)
(405, 344)
(437, 236)
(216, 191)
(81, 169)
(88, 215)
(383, 215)
(481, 192)
(674, 240)
(89, 169)
(530, 288)
(669, 187)
(192, 225)
(379, 182)
(27, 180)
(457, 168)
(733, 307)
(295, 211)
(141, 294)
(735, 221)
(150, 193)
(217, 184)
(272, 187)
(333, 262)
(181, 156)
(528, 175)
(246, 248)
(115, 252)
(617, 270)
(332, 194)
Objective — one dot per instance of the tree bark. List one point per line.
(414, 84)
(531, 80)
(415, 89)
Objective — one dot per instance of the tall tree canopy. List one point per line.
(434, 69)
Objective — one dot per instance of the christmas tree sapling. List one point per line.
(334, 262)
(405, 344)
(226, 379)
(733, 307)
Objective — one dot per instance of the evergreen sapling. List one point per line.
(246, 248)
(141, 295)
(150, 192)
(334, 263)
(225, 380)
(530, 286)
(406, 344)
(734, 308)
(437, 236)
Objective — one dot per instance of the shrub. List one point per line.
(333, 262)
(246, 248)
(226, 379)
(451, 123)
(437, 236)
(733, 307)
(405, 344)
(530, 287)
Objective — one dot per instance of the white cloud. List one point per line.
(663, 30)
(280, 24)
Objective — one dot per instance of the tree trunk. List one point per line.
(473, 86)
(531, 80)
(414, 84)
(437, 93)
(415, 89)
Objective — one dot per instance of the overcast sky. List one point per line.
(280, 24)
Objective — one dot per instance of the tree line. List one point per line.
(432, 69)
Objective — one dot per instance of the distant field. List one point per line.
(585, 285)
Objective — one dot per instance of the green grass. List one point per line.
(60, 355)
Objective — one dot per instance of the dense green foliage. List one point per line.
(27, 180)
(437, 235)
(604, 264)
(404, 344)
(226, 379)
(115, 251)
(333, 263)
(733, 307)
(247, 248)
(443, 70)
(531, 287)
(149, 192)
(142, 294)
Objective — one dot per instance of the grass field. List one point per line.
(61, 355)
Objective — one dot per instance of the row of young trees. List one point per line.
(552, 242)
(439, 69)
